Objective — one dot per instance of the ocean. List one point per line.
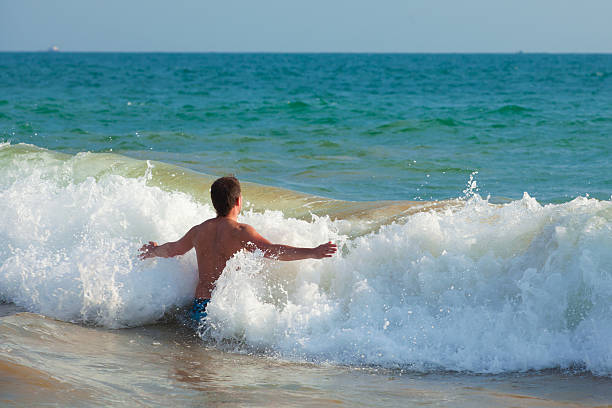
(470, 196)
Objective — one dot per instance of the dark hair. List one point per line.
(224, 192)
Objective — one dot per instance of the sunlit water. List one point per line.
(47, 361)
(486, 281)
(351, 126)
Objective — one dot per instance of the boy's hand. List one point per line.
(147, 250)
(325, 250)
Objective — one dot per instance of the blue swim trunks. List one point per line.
(198, 309)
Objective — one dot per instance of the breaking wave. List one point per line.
(461, 285)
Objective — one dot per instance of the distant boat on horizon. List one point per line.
(53, 48)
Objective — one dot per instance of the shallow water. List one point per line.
(47, 361)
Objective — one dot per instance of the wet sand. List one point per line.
(44, 361)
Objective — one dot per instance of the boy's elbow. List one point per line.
(181, 249)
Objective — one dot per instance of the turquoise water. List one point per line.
(345, 126)
(102, 152)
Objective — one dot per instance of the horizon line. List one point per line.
(518, 52)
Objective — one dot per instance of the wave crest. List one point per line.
(468, 286)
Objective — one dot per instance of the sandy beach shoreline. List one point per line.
(54, 362)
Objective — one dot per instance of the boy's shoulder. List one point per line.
(245, 227)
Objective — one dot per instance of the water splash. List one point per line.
(471, 189)
(483, 288)
(478, 287)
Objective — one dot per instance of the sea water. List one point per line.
(346, 126)
(469, 196)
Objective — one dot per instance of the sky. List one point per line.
(307, 26)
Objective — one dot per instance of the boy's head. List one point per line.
(224, 193)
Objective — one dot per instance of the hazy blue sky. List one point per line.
(312, 25)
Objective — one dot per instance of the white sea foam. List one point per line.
(483, 288)
(479, 287)
(71, 248)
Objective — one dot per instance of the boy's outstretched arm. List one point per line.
(169, 249)
(252, 240)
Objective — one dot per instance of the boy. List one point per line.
(218, 239)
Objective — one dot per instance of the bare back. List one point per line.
(218, 239)
(215, 241)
